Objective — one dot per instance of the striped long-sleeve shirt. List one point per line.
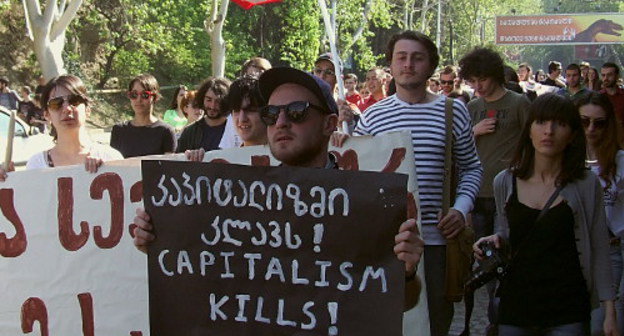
(426, 123)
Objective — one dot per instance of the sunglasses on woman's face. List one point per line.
(296, 112)
(144, 95)
(73, 100)
(598, 123)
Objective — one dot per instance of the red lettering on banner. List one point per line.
(114, 185)
(348, 160)
(33, 310)
(136, 195)
(86, 310)
(136, 192)
(260, 160)
(15, 246)
(69, 239)
(219, 161)
(398, 155)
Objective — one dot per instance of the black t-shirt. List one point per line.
(545, 286)
(131, 141)
(211, 136)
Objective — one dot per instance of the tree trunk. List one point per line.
(49, 54)
(46, 28)
(214, 27)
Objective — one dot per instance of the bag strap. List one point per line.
(448, 156)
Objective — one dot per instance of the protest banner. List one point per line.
(67, 262)
(594, 28)
(273, 250)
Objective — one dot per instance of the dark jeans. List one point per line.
(483, 223)
(572, 329)
(440, 310)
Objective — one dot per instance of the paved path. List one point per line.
(479, 320)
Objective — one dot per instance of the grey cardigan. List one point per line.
(590, 229)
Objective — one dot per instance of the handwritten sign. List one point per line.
(67, 262)
(269, 251)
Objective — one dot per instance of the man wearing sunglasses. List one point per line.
(447, 79)
(300, 116)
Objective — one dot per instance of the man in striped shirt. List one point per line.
(413, 58)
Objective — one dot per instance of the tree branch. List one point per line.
(358, 33)
(33, 15)
(59, 28)
(210, 21)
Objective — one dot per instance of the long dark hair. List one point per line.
(552, 107)
(609, 145)
(174, 101)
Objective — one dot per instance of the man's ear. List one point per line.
(331, 122)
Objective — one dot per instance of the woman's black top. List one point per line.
(545, 286)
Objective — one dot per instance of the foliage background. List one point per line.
(110, 41)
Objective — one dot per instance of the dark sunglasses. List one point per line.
(446, 82)
(598, 123)
(72, 99)
(295, 112)
(319, 72)
(144, 95)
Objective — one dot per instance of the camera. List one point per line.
(494, 264)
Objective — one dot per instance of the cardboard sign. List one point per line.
(67, 262)
(273, 251)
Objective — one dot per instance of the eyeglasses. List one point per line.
(295, 112)
(73, 100)
(598, 123)
(443, 82)
(144, 95)
(319, 72)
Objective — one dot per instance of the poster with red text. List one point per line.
(67, 262)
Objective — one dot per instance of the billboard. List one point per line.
(596, 28)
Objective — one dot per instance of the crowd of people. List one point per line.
(538, 158)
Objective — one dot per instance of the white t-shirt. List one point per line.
(230, 138)
(104, 152)
(614, 196)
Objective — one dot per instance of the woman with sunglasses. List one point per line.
(606, 159)
(550, 212)
(175, 116)
(67, 107)
(144, 134)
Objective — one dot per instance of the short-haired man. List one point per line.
(498, 116)
(324, 69)
(207, 132)
(301, 115)
(8, 98)
(413, 58)
(448, 75)
(434, 84)
(554, 71)
(376, 83)
(574, 89)
(610, 74)
(351, 84)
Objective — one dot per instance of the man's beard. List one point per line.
(213, 117)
